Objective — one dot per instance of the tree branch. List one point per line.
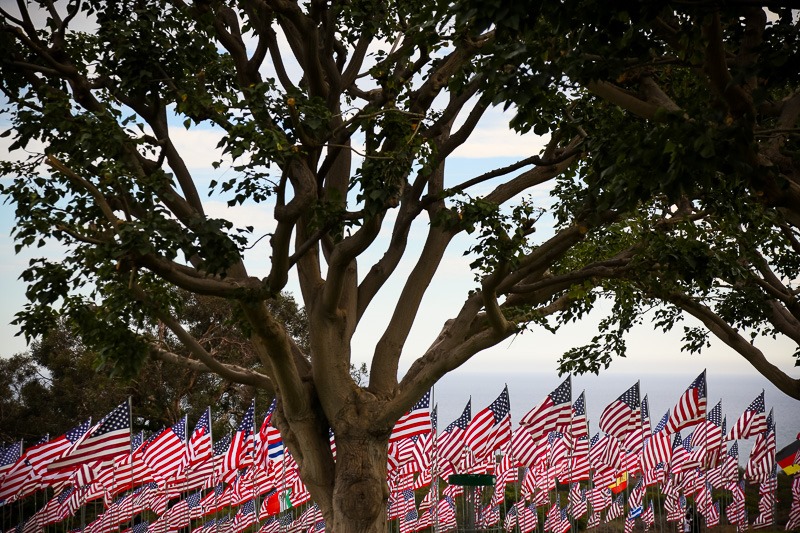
(727, 334)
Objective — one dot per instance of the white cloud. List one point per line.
(198, 146)
(499, 141)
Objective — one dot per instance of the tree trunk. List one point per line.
(360, 493)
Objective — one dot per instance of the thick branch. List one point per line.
(385, 360)
(227, 371)
(727, 334)
(625, 100)
(716, 67)
(235, 373)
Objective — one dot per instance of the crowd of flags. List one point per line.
(177, 479)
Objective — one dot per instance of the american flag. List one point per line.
(599, 498)
(489, 516)
(766, 500)
(579, 427)
(622, 415)
(528, 520)
(629, 523)
(553, 515)
(691, 407)
(451, 441)
(594, 520)
(762, 456)
(200, 440)
(654, 475)
(240, 453)
(446, 518)
(637, 436)
(110, 438)
(658, 448)
(23, 478)
(523, 448)
(167, 454)
(616, 510)
(578, 506)
(245, 517)
(560, 448)
(735, 511)
(554, 412)
(712, 515)
(730, 465)
(510, 521)
(416, 421)
(421, 452)
(580, 467)
(408, 522)
(8, 457)
(648, 516)
(752, 422)
(179, 515)
(483, 428)
(219, 450)
(268, 435)
(141, 527)
(708, 435)
(794, 512)
(635, 499)
(563, 525)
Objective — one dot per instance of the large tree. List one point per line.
(654, 202)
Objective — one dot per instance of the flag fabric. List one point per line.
(648, 516)
(510, 521)
(794, 511)
(8, 457)
(244, 517)
(240, 452)
(658, 448)
(580, 468)
(577, 501)
(451, 442)
(167, 454)
(616, 510)
(26, 474)
(735, 511)
(266, 433)
(594, 520)
(708, 436)
(200, 440)
(417, 421)
(579, 427)
(563, 525)
(762, 456)
(554, 412)
(766, 500)
(490, 429)
(634, 441)
(489, 516)
(691, 407)
(446, 514)
(109, 439)
(622, 415)
(752, 422)
(599, 498)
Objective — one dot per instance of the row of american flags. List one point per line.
(177, 479)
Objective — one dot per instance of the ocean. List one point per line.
(527, 389)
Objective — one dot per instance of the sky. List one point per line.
(492, 145)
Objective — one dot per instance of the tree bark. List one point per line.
(360, 492)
